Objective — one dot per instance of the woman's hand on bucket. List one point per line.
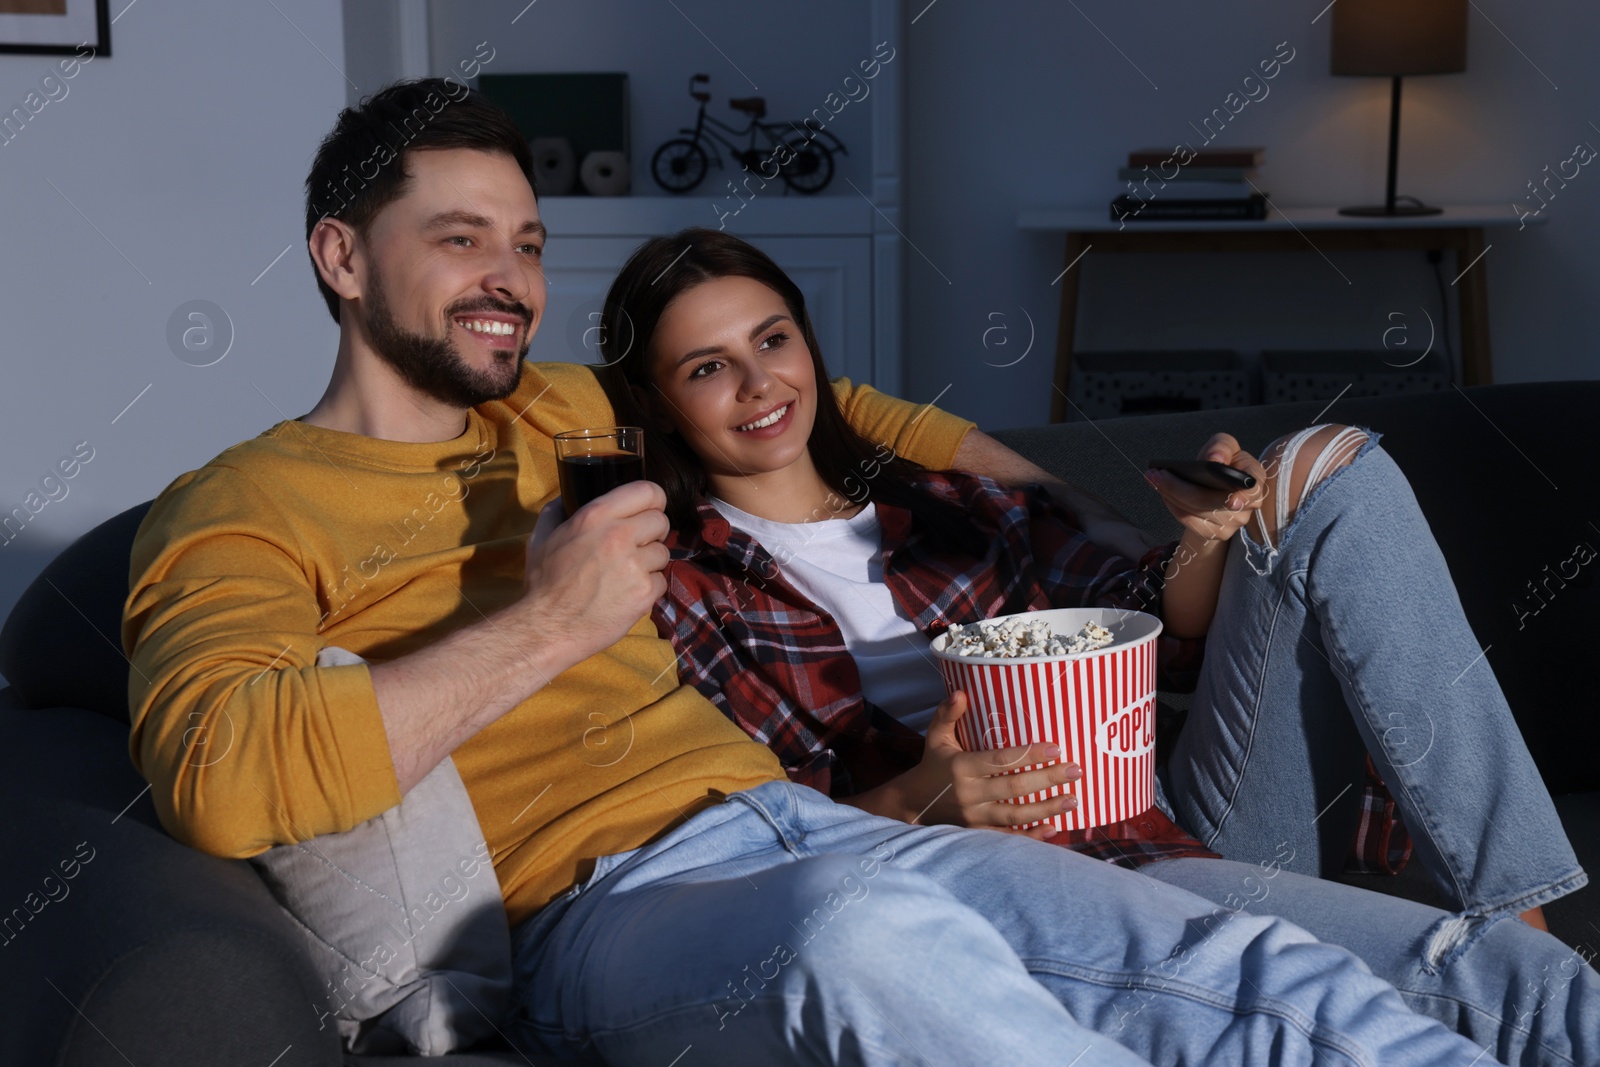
(1213, 513)
(952, 785)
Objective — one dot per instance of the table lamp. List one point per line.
(1395, 38)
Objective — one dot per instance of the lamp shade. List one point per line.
(1399, 37)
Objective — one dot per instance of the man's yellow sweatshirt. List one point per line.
(305, 537)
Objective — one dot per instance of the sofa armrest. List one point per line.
(150, 952)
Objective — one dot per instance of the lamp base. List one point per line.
(1392, 210)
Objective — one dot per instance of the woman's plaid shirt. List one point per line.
(776, 664)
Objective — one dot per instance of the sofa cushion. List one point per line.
(61, 646)
(403, 919)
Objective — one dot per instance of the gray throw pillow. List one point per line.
(403, 919)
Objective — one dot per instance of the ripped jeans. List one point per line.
(1344, 639)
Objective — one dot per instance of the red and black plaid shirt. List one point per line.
(777, 665)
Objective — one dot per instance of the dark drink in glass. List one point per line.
(586, 476)
(591, 463)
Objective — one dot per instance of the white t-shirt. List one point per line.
(838, 565)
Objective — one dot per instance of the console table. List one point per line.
(1459, 229)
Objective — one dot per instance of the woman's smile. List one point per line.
(774, 422)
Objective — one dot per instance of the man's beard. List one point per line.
(435, 366)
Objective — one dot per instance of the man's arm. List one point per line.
(1099, 521)
(597, 575)
(921, 433)
(248, 743)
(940, 441)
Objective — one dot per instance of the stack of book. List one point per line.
(1185, 183)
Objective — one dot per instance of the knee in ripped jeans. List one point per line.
(1296, 464)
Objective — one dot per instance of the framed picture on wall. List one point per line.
(55, 27)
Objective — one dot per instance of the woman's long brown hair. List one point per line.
(660, 271)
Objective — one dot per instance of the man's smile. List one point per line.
(495, 329)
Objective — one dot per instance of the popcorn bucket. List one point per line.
(1099, 706)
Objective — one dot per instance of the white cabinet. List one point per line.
(578, 271)
(835, 274)
(843, 246)
(825, 245)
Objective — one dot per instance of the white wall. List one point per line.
(372, 48)
(1026, 103)
(186, 149)
(185, 152)
(182, 155)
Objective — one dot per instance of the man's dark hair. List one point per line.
(360, 167)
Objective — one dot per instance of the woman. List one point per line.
(810, 569)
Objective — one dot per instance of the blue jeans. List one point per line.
(1513, 990)
(1348, 638)
(781, 927)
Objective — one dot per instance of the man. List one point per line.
(667, 886)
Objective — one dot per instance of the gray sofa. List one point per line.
(159, 954)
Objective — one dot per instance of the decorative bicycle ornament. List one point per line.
(801, 156)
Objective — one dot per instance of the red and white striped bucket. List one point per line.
(1099, 706)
